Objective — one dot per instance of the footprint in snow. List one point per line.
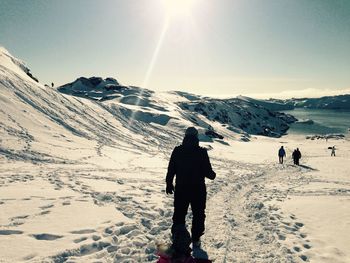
(95, 238)
(125, 229)
(83, 231)
(291, 229)
(112, 249)
(10, 232)
(307, 246)
(109, 230)
(299, 224)
(119, 224)
(46, 206)
(45, 212)
(29, 257)
(82, 200)
(16, 223)
(304, 258)
(81, 239)
(281, 237)
(20, 217)
(44, 236)
(297, 249)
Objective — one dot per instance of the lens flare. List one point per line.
(150, 68)
(175, 9)
(178, 7)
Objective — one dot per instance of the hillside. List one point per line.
(237, 115)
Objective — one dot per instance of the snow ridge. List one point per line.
(14, 64)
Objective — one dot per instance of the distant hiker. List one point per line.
(52, 84)
(333, 151)
(281, 154)
(296, 156)
(190, 163)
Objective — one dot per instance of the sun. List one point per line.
(178, 7)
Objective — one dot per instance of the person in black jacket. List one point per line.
(190, 163)
(296, 156)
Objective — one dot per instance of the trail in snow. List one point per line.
(241, 226)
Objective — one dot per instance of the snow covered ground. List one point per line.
(82, 181)
(257, 210)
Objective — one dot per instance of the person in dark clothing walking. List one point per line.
(296, 156)
(333, 151)
(281, 154)
(190, 163)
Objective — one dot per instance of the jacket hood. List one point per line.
(190, 141)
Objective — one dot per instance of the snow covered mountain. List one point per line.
(238, 114)
(103, 112)
(340, 102)
(328, 102)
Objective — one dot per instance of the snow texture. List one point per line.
(83, 167)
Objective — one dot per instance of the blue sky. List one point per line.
(221, 47)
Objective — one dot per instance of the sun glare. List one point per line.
(178, 7)
(174, 8)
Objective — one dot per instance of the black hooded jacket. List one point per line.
(190, 163)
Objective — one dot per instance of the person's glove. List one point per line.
(211, 175)
(169, 189)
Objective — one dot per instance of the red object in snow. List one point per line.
(165, 259)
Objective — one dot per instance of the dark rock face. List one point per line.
(95, 81)
(32, 77)
(247, 116)
(95, 88)
(213, 134)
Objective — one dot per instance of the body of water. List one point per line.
(318, 121)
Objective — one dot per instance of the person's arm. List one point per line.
(170, 174)
(208, 170)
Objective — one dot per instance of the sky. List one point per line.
(221, 48)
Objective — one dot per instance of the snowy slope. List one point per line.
(41, 116)
(66, 163)
(8, 62)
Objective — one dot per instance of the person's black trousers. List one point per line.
(194, 195)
